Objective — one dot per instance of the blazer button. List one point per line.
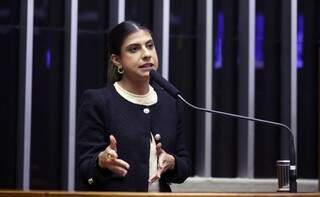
(157, 137)
(146, 110)
(90, 181)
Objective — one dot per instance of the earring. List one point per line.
(120, 70)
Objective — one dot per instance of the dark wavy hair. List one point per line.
(115, 39)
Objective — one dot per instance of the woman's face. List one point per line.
(138, 56)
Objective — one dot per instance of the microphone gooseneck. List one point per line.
(292, 156)
(174, 92)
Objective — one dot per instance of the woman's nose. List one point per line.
(146, 53)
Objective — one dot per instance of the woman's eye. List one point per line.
(150, 45)
(133, 49)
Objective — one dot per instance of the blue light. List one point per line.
(48, 59)
(300, 35)
(259, 55)
(219, 42)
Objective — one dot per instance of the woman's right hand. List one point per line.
(108, 159)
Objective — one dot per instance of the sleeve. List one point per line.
(91, 138)
(182, 167)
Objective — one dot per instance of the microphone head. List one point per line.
(162, 82)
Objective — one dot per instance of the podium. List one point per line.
(14, 193)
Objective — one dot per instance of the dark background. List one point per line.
(93, 25)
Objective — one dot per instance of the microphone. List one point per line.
(174, 92)
(156, 77)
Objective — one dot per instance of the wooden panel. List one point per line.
(22, 194)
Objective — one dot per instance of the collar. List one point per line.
(148, 99)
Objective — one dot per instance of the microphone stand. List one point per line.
(290, 173)
(292, 156)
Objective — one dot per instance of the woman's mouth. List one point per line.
(147, 65)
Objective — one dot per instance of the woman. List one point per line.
(118, 125)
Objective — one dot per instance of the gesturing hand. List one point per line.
(108, 159)
(165, 162)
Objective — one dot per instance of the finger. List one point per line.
(159, 148)
(161, 163)
(121, 163)
(118, 170)
(154, 178)
(112, 154)
(113, 142)
(164, 163)
(162, 159)
(159, 172)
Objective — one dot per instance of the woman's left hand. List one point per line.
(165, 162)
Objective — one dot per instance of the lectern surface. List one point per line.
(14, 193)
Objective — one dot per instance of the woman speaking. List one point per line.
(129, 133)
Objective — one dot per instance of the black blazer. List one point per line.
(103, 112)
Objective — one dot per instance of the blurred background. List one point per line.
(258, 58)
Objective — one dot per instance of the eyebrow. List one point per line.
(133, 44)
